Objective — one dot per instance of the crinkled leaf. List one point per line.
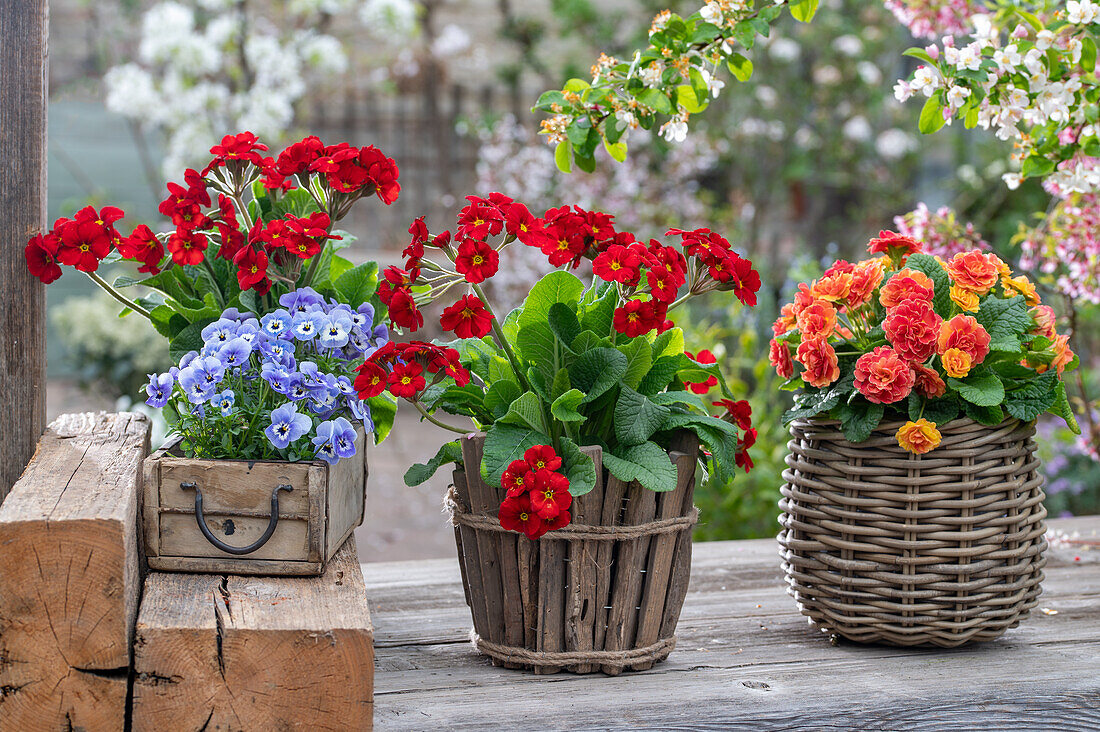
(500, 395)
(526, 411)
(383, 410)
(564, 323)
(564, 408)
(982, 390)
(636, 417)
(639, 358)
(596, 371)
(1037, 396)
(1006, 320)
(858, 418)
(358, 284)
(660, 374)
(563, 287)
(1061, 408)
(812, 403)
(984, 415)
(598, 315)
(189, 339)
(503, 444)
(646, 463)
(577, 467)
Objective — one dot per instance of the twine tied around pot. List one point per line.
(573, 532)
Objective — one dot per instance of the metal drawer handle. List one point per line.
(238, 550)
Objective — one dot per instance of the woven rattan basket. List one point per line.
(880, 546)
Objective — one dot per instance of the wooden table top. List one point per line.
(746, 658)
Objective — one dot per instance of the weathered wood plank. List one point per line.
(227, 652)
(24, 87)
(747, 659)
(70, 575)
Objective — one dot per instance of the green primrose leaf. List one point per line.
(981, 390)
(420, 472)
(646, 463)
(636, 417)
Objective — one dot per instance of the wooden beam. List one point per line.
(263, 653)
(70, 576)
(23, 93)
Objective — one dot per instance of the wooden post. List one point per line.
(23, 93)
(255, 653)
(70, 576)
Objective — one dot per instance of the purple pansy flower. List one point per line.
(159, 389)
(287, 426)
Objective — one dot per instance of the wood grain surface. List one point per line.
(746, 659)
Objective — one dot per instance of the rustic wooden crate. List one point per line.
(316, 516)
(609, 600)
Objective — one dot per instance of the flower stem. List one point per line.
(106, 287)
(424, 413)
(499, 334)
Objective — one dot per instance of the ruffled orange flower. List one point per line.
(866, 277)
(833, 288)
(817, 320)
(967, 300)
(894, 245)
(1063, 355)
(974, 271)
(883, 376)
(1045, 321)
(1023, 286)
(785, 321)
(912, 328)
(779, 356)
(906, 284)
(919, 437)
(819, 360)
(966, 334)
(928, 383)
(957, 362)
(803, 297)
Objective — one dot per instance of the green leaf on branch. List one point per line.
(982, 390)
(577, 467)
(689, 99)
(740, 67)
(563, 156)
(859, 418)
(1037, 165)
(918, 53)
(803, 10)
(646, 463)
(931, 115)
(617, 150)
(1006, 321)
(420, 472)
(636, 417)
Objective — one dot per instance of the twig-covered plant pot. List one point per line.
(883, 546)
(602, 594)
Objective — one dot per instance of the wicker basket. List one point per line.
(602, 594)
(881, 546)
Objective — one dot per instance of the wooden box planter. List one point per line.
(940, 549)
(260, 517)
(602, 594)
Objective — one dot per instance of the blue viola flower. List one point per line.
(188, 358)
(364, 316)
(235, 353)
(311, 375)
(301, 300)
(279, 352)
(159, 389)
(361, 412)
(200, 378)
(276, 324)
(324, 399)
(306, 325)
(287, 425)
(297, 390)
(335, 439)
(225, 400)
(278, 377)
(220, 331)
(334, 330)
(344, 384)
